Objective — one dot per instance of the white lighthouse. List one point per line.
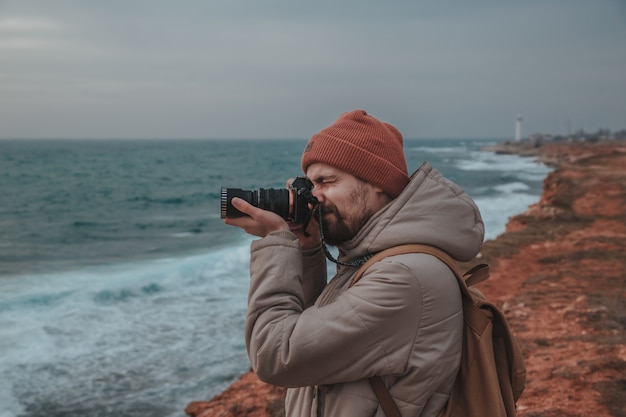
(518, 128)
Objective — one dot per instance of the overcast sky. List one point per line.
(288, 68)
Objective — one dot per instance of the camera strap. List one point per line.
(358, 261)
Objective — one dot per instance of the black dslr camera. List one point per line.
(291, 204)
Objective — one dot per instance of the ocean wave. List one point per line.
(437, 150)
(125, 294)
(489, 161)
(125, 316)
(512, 187)
(497, 210)
(152, 200)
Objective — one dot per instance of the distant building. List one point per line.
(518, 128)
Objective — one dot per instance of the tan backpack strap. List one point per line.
(404, 249)
(387, 403)
(476, 274)
(473, 276)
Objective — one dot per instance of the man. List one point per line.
(402, 320)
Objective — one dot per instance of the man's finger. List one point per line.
(243, 206)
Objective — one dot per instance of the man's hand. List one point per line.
(257, 222)
(307, 242)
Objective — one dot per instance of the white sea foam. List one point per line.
(499, 201)
(496, 211)
(489, 161)
(437, 150)
(512, 187)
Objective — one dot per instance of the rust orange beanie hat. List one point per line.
(363, 146)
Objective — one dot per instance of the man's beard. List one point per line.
(343, 229)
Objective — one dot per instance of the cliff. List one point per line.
(558, 274)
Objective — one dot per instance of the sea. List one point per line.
(122, 292)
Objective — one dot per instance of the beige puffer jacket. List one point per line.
(402, 320)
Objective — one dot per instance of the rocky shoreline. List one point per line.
(558, 272)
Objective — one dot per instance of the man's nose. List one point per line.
(318, 194)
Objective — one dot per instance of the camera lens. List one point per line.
(226, 208)
(275, 200)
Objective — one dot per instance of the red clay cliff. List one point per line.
(558, 272)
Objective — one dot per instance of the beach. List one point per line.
(558, 274)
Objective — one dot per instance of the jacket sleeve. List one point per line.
(367, 330)
(314, 274)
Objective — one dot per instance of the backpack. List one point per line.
(492, 375)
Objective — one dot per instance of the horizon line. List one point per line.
(223, 139)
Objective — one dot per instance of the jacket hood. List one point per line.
(430, 210)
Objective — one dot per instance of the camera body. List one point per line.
(291, 204)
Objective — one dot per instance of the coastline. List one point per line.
(558, 274)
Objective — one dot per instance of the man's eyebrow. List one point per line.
(321, 178)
